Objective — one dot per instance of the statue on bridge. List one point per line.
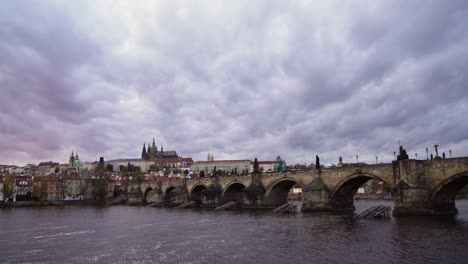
(317, 162)
(256, 167)
(340, 160)
(403, 155)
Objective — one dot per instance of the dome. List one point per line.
(78, 162)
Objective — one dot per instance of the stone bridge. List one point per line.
(418, 187)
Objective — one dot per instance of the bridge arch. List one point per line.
(234, 191)
(277, 194)
(145, 194)
(342, 195)
(195, 193)
(444, 194)
(169, 195)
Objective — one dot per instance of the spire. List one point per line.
(143, 152)
(154, 144)
(162, 148)
(76, 156)
(209, 157)
(72, 159)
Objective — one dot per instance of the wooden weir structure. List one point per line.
(287, 207)
(376, 211)
(187, 204)
(225, 206)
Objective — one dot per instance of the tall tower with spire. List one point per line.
(152, 151)
(144, 155)
(71, 161)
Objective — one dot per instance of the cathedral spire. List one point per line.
(143, 152)
(154, 144)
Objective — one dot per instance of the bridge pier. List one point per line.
(135, 197)
(411, 201)
(316, 197)
(153, 196)
(413, 195)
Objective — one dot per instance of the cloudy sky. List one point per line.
(240, 79)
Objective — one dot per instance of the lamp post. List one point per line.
(450, 153)
(394, 155)
(357, 159)
(376, 160)
(427, 154)
(416, 154)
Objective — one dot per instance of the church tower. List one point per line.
(144, 155)
(71, 161)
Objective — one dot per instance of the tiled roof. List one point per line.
(265, 162)
(124, 160)
(173, 160)
(220, 161)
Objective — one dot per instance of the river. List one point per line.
(122, 234)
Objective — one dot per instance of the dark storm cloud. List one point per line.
(240, 79)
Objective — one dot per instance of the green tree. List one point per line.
(40, 188)
(153, 167)
(100, 170)
(130, 167)
(110, 168)
(8, 186)
(99, 189)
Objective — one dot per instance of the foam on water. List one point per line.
(66, 234)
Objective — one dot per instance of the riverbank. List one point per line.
(49, 203)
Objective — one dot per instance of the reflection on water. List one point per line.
(156, 235)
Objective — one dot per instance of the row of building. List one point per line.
(52, 187)
(160, 161)
(65, 181)
(152, 160)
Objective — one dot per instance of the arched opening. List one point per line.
(196, 194)
(145, 195)
(234, 193)
(295, 193)
(444, 197)
(343, 196)
(280, 191)
(169, 196)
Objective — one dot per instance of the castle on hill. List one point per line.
(153, 153)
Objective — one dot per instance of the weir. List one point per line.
(287, 207)
(225, 206)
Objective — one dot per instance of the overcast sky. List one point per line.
(240, 79)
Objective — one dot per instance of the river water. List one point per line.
(122, 234)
